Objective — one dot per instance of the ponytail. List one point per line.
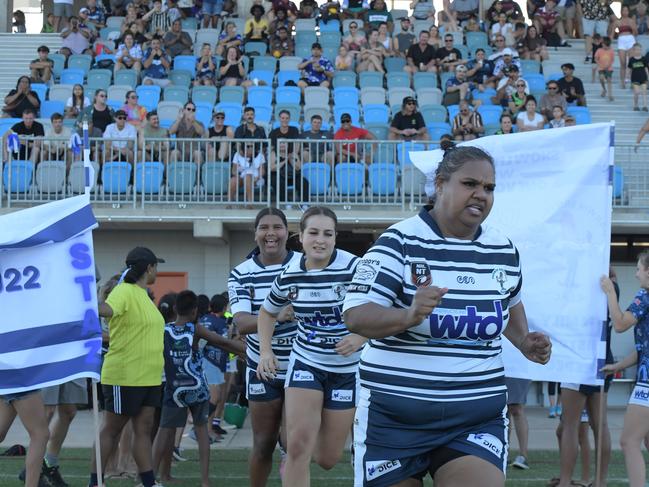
(135, 272)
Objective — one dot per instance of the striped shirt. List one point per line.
(455, 353)
(248, 285)
(317, 297)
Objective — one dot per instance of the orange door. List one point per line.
(169, 282)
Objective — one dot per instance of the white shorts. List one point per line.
(625, 42)
(591, 27)
(640, 395)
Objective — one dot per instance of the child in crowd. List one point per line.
(247, 170)
(344, 59)
(557, 117)
(605, 58)
(639, 75)
(48, 25)
(20, 24)
(596, 44)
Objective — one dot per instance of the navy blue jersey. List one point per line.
(640, 309)
(186, 383)
(219, 325)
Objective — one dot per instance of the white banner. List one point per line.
(553, 199)
(49, 331)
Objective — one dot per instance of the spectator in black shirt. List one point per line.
(448, 56)
(250, 130)
(571, 87)
(317, 152)
(29, 149)
(421, 56)
(20, 99)
(408, 124)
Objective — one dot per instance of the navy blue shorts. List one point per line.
(261, 390)
(397, 438)
(339, 389)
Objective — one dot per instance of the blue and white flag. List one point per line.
(554, 201)
(49, 331)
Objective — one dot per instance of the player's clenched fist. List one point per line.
(423, 303)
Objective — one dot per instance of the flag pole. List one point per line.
(95, 409)
(600, 434)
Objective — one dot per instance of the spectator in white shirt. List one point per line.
(121, 149)
(57, 139)
(529, 119)
(247, 171)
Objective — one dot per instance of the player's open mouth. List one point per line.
(476, 210)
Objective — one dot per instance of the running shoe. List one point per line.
(559, 411)
(42, 481)
(553, 412)
(178, 455)
(217, 429)
(53, 475)
(520, 462)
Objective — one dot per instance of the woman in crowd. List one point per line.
(77, 102)
(529, 119)
(434, 39)
(131, 374)
(384, 38)
(506, 125)
(518, 97)
(135, 114)
(355, 40)
(321, 376)
(627, 30)
(20, 98)
(425, 384)
(372, 55)
(232, 72)
(248, 286)
(129, 54)
(534, 45)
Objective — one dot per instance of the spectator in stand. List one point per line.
(548, 21)
(520, 34)
(507, 85)
(76, 40)
(408, 124)
(467, 124)
(422, 10)
(511, 10)
(156, 64)
(122, 149)
(187, 127)
(281, 44)
(177, 42)
(48, 25)
(228, 38)
(503, 28)
(605, 59)
(96, 15)
(568, 14)
(99, 115)
(153, 150)
(231, 69)
(462, 10)
(205, 67)
(41, 67)
(434, 39)
(404, 39)
(551, 99)
(349, 151)
(376, 15)
(354, 9)
(221, 133)
(355, 40)
(247, 172)
(130, 18)
(211, 11)
(344, 60)
(448, 56)
(135, 114)
(534, 46)
(528, 119)
(157, 20)
(84, 23)
(285, 164)
(129, 54)
(316, 70)
(385, 39)
(256, 28)
(557, 121)
(459, 88)
(500, 49)
(639, 75)
(480, 70)
(627, 29)
(641, 19)
(137, 30)
(249, 129)
(308, 9)
(506, 125)
(372, 55)
(505, 62)
(62, 11)
(20, 99)
(29, 149)
(289, 8)
(421, 57)
(57, 138)
(317, 152)
(472, 25)
(76, 103)
(571, 87)
(281, 20)
(518, 97)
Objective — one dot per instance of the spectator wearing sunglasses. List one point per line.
(187, 127)
(408, 124)
(118, 148)
(349, 150)
(467, 124)
(135, 114)
(448, 56)
(552, 98)
(219, 150)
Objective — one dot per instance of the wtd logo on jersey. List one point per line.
(380, 467)
(469, 325)
(319, 319)
(487, 441)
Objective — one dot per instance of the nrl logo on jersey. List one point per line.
(420, 274)
(292, 293)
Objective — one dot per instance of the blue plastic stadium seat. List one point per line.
(266, 76)
(72, 76)
(185, 63)
(344, 78)
(266, 63)
(207, 94)
(490, 114)
(180, 77)
(59, 62)
(618, 182)
(530, 66)
(100, 78)
(41, 91)
(127, 77)
(260, 96)
(181, 177)
(263, 113)
(332, 25)
(346, 95)
(376, 114)
(204, 113)
(289, 75)
(318, 174)
(232, 112)
(433, 113)
(148, 96)
(49, 107)
(115, 177)
(406, 148)
(148, 177)
(535, 81)
(7, 123)
(385, 154)
(21, 174)
(370, 79)
(350, 178)
(581, 114)
(383, 178)
(215, 177)
(176, 93)
(394, 64)
(287, 94)
(80, 61)
(230, 94)
(398, 79)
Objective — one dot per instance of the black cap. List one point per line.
(409, 99)
(120, 113)
(568, 65)
(345, 117)
(142, 254)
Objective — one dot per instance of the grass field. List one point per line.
(229, 469)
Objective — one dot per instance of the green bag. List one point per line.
(235, 414)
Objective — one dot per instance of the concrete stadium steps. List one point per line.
(17, 51)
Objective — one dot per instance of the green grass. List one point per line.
(229, 469)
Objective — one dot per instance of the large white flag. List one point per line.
(553, 199)
(49, 329)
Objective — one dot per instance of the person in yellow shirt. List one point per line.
(256, 28)
(131, 375)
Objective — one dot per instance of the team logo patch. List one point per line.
(640, 394)
(488, 442)
(232, 295)
(367, 270)
(342, 395)
(302, 376)
(256, 389)
(380, 467)
(339, 291)
(500, 276)
(420, 273)
(293, 293)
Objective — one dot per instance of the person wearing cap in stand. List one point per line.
(132, 370)
(459, 88)
(507, 86)
(120, 149)
(348, 151)
(221, 133)
(505, 61)
(317, 70)
(408, 124)
(96, 15)
(41, 67)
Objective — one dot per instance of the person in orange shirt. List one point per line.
(605, 57)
